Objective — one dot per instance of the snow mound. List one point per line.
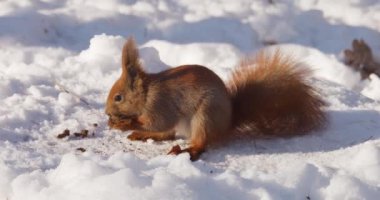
(124, 176)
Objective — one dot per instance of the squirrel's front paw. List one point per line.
(135, 135)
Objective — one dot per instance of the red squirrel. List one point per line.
(266, 95)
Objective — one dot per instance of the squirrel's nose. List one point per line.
(108, 112)
(110, 118)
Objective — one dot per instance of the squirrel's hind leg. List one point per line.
(197, 138)
(209, 124)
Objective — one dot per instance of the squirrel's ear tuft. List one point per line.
(130, 62)
(130, 55)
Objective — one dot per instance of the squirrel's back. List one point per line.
(181, 90)
(271, 97)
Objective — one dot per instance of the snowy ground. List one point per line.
(58, 58)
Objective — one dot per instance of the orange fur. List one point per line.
(267, 95)
(157, 136)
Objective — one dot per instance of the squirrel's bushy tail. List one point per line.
(272, 98)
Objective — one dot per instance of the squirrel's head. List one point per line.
(126, 98)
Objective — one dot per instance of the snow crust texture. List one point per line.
(59, 58)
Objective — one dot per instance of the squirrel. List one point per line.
(266, 95)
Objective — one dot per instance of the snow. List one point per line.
(59, 58)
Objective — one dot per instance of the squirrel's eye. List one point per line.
(118, 98)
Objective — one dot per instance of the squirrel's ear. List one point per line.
(130, 63)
